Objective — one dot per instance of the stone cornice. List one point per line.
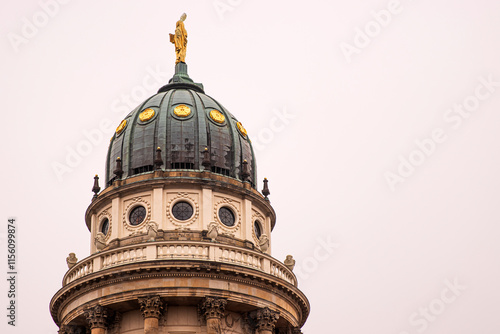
(182, 269)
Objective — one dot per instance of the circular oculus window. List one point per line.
(137, 215)
(257, 229)
(182, 210)
(105, 226)
(226, 216)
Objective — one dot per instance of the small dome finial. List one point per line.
(96, 188)
(206, 159)
(158, 160)
(266, 191)
(245, 173)
(118, 170)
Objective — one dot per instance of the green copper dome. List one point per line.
(184, 123)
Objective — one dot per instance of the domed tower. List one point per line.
(180, 236)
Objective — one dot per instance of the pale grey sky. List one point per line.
(376, 123)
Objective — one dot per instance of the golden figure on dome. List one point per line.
(180, 40)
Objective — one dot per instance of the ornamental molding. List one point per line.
(180, 197)
(105, 214)
(228, 230)
(133, 203)
(291, 296)
(151, 306)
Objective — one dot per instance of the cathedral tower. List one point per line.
(180, 235)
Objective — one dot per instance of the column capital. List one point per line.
(151, 306)
(266, 319)
(211, 307)
(98, 316)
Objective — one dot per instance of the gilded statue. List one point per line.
(180, 40)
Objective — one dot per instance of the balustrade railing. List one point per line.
(175, 250)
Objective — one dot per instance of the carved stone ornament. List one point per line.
(266, 319)
(211, 307)
(213, 231)
(152, 229)
(100, 241)
(151, 306)
(71, 260)
(136, 229)
(296, 330)
(264, 243)
(289, 262)
(98, 316)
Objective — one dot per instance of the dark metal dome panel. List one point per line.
(181, 139)
(183, 143)
(142, 146)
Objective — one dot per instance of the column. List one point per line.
(151, 308)
(98, 318)
(266, 320)
(212, 310)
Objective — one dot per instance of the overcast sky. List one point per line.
(376, 123)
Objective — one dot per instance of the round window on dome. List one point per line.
(182, 210)
(137, 215)
(104, 226)
(257, 228)
(226, 216)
